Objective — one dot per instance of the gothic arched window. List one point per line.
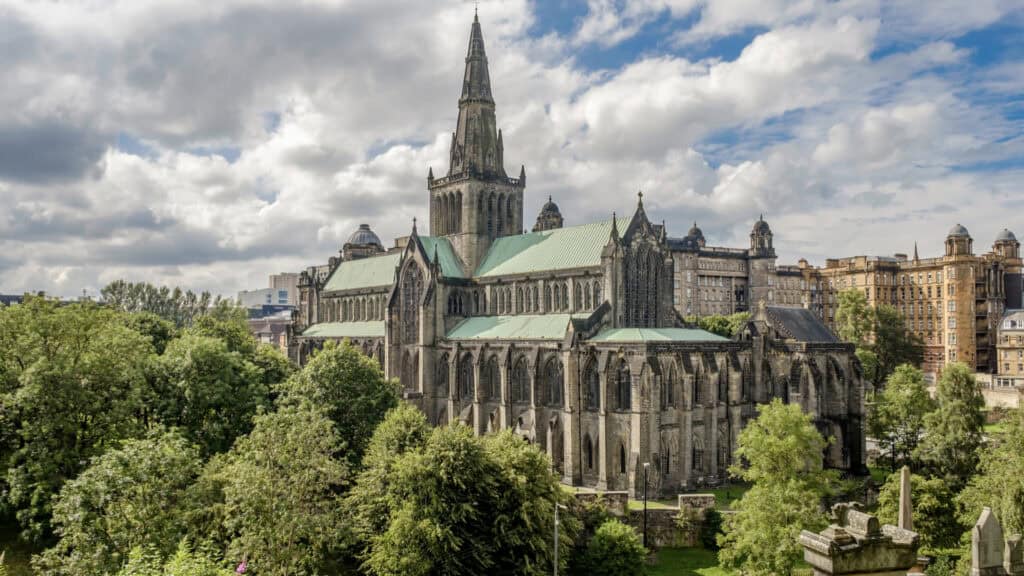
(623, 386)
(597, 294)
(499, 223)
(490, 215)
(412, 288)
(565, 297)
(557, 293)
(591, 387)
(578, 296)
(490, 378)
(698, 384)
(547, 298)
(553, 381)
(622, 459)
(458, 212)
(588, 451)
(465, 377)
(521, 381)
(536, 299)
(723, 387)
(510, 214)
(441, 378)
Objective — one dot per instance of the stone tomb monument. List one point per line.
(991, 555)
(856, 544)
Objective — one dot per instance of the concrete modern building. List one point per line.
(568, 334)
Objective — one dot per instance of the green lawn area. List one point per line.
(653, 504)
(724, 497)
(694, 562)
(16, 552)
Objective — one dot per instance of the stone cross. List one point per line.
(906, 520)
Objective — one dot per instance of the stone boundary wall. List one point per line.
(663, 526)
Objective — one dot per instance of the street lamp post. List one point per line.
(647, 467)
(557, 506)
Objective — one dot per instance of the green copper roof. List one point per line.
(371, 272)
(529, 327)
(656, 335)
(345, 330)
(560, 249)
(451, 266)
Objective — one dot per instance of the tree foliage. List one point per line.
(934, 509)
(72, 380)
(179, 306)
(469, 505)
(953, 431)
(130, 497)
(209, 391)
(614, 550)
(186, 561)
(897, 414)
(880, 334)
(999, 483)
(282, 487)
(723, 325)
(352, 389)
(783, 451)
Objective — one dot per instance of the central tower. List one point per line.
(476, 201)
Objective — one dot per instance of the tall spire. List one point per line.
(477, 147)
(915, 251)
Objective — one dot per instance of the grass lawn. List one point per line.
(16, 552)
(724, 497)
(654, 504)
(694, 562)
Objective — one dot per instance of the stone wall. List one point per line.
(664, 528)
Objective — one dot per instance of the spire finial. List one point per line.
(476, 12)
(640, 198)
(549, 197)
(414, 225)
(915, 251)
(761, 217)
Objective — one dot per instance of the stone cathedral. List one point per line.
(568, 334)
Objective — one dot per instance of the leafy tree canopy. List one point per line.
(129, 497)
(934, 510)
(952, 436)
(351, 388)
(1000, 481)
(896, 418)
(726, 326)
(179, 306)
(784, 455)
(614, 550)
(72, 379)
(880, 334)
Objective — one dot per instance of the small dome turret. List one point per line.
(363, 236)
(761, 227)
(550, 217)
(958, 230)
(1005, 236)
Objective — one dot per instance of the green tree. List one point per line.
(209, 391)
(178, 306)
(614, 550)
(727, 326)
(855, 319)
(893, 344)
(282, 487)
(470, 505)
(952, 436)
(783, 451)
(352, 389)
(880, 334)
(897, 415)
(159, 330)
(999, 483)
(404, 429)
(186, 561)
(132, 496)
(71, 385)
(230, 324)
(934, 509)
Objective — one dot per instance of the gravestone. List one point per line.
(906, 520)
(991, 555)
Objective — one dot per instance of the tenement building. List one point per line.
(1010, 350)
(568, 335)
(953, 302)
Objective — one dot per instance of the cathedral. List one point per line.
(570, 335)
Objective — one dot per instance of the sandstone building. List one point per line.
(571, 335)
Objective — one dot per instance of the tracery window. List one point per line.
(553, 381)
(412, 288)
(521, 381)
(465, 377)
(698, 384)
(643, 281)
(565, 297)
(597, 294)
(557, 292)
(623, 386)
(578, 293)
(490, 378)
(588, 450)
(441, 379)
(622, 459)
(591, 387)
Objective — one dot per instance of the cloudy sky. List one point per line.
(209, 144)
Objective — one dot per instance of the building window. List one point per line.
(490, 378)
(520, 381)
(465, 377)
(591, 387)
(622, 459)
(553, 381)
(623, 386)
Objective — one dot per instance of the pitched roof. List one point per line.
(373, 272)
(369, 329)
(799, 324)
(451, 265)
(559, 249)
(529, 327)
(656, 335)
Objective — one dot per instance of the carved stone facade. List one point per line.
(568, 335)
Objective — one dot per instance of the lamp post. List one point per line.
(557, 506)
(647, 467)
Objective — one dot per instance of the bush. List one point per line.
(710, 529)
(615, 550)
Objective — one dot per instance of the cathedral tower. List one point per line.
(476, 201)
